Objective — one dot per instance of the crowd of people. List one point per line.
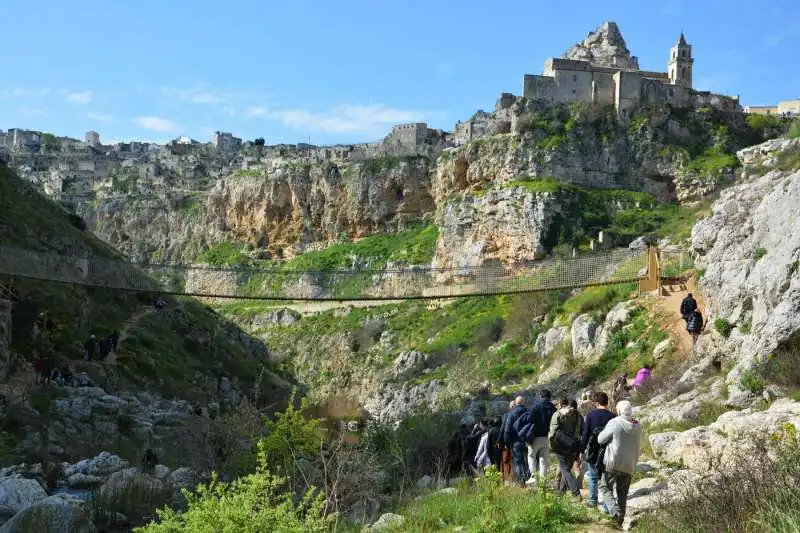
(93, 347)
(586, 440)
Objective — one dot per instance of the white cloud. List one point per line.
(159, 124)
(100, 117)
(80, 98)
(347, 118)
(195, 95)
(255, 111)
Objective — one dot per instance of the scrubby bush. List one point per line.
(723, 327)
(750, 493)
(255, 503)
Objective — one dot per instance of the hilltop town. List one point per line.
(599, 70)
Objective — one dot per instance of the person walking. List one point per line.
(539, 446)
(493, 441)
(595, 422)
(482, 459)
(695, 325)
(688, 306)
(642, 376)
(505, 449)
(566, 427)
(621, 436)
(515, 442)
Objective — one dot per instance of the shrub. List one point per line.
(759, 253)
(77, 221)
(257, 502)
(723, 327)
(751, 380)
(794, 130)
(755, 494)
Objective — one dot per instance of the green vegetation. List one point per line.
(490, 506)
(170, 352)
(759, 253)
(752, 380)
(599, 300)
(767, 126)
(224, 254)
(723, 327)
(254, 503)
(713, 162)
(553, 126)
(789, 159)
(373, 165)
(794, 130)
(50, 142)
(643, 333)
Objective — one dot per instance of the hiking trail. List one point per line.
(670, 304)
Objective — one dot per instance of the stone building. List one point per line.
(787, 108)
(92, 138)
(412, 138)
(226, 141)
(601, 70)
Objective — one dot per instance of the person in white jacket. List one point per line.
(482, 458)
(621, 438)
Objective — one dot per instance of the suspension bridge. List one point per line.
(619, 266)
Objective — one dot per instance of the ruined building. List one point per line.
(602, 70)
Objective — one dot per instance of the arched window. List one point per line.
(683, 72)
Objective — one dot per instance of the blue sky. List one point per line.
(345, 71)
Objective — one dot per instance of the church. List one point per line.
(601, 70)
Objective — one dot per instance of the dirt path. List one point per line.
(670, 305)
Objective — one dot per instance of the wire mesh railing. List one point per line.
(279, 283)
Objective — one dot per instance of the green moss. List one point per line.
(712, 162)
(759, 253)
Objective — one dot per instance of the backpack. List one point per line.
(566, 443)
(593, 448)
(523, 427)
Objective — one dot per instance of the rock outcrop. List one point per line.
(605, 47)
(748, 250)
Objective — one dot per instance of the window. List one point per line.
(573, 91)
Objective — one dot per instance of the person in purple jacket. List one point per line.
(642, 376)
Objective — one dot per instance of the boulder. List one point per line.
(83, 481)
(104, 464)
(54, 514)
(547, 342)
(408, 361)
(584, 329)
(127, 480)
(385, 522)
(17, 493)
(662, 348)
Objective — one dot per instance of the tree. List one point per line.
(259, 141)
(50, 142)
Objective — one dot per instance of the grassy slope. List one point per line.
(162, 352)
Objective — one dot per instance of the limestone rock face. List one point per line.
(749, 251)
(606, 47)
(287, 204)
(584, 329)
(702, 448)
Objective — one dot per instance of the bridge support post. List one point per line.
(653, 280)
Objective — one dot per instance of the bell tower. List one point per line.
(680, 63)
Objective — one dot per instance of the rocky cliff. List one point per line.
(284, 206)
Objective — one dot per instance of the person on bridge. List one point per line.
(695, 325)
(688, 306)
